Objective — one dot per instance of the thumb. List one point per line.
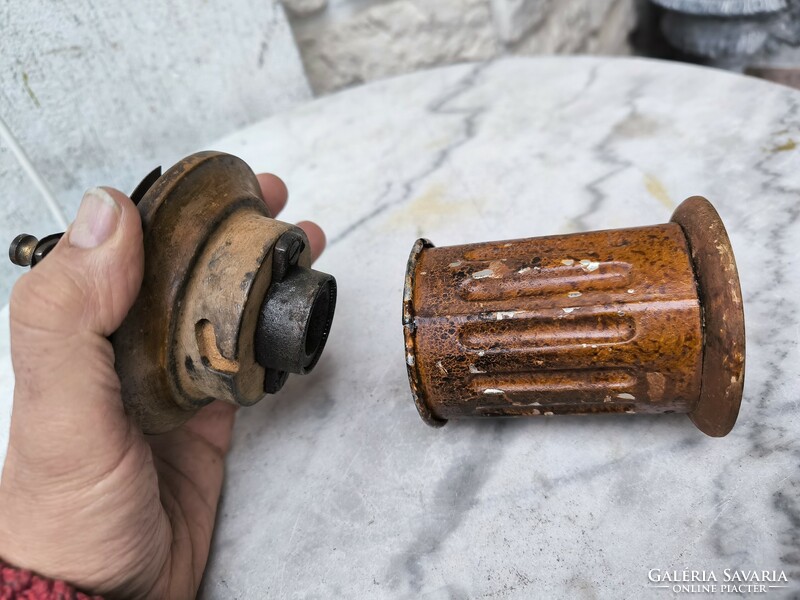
(63, 491)
(61, 313)
(89, 281)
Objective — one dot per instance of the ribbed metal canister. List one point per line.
(599, 322)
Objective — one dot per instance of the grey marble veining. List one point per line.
(335, 487)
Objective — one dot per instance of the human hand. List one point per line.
(85, 496)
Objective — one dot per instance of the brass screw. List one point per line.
(21, 250)
(26, 250)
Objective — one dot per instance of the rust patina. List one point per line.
(229, 305)
(640, 320)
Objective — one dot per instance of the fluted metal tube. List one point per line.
(600, 322)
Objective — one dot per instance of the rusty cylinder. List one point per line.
(640, 320)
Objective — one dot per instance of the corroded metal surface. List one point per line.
(190, 337)
(228, 305)
(723, 316)
(599, 322)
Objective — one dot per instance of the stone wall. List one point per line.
(347, 42)
(98, 93)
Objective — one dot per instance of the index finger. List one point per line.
(274, 192)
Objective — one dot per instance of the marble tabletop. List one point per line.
(336, 488)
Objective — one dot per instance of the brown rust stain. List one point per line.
(526, 277)
(717, 277)
(657, 190)
(546, 330)
(29, 89)
(431, 208)
(190, 336)
(210, 351)
(562, 323)
(786, 146)
(599, 322)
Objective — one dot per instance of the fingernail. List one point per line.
(97, 219)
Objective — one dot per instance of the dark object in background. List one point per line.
(734, 8)
(229, 304)
(643, 320)
(783, 75)
(760, 37)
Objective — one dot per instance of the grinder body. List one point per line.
(228, 304)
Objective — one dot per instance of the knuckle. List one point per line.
(47, 299)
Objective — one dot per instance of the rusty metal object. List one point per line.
(228, 305)
(641, 320)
